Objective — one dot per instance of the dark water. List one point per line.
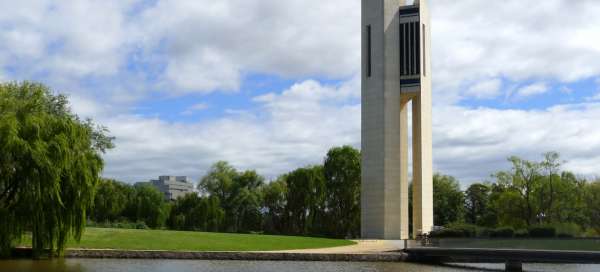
(112, 265)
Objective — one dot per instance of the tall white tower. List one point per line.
(396, 71)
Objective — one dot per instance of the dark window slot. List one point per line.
(418, 46)
(424, 51)
(369, 51)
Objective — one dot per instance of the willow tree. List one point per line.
(50, 161)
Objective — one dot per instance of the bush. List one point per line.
(542, 232)
(565, 235)
(455, 230)
(484, 232)
(502, 233)
(447, 233)
(568, 230)
(522, 233)
(118, 225)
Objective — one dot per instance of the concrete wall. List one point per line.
(384, 202)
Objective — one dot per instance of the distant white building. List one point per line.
(173, 186)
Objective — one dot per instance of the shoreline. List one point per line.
(397, 256)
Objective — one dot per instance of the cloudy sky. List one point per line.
(271, 85)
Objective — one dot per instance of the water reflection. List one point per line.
(106, 265)
(114, 265)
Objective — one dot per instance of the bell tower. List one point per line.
(396, 71)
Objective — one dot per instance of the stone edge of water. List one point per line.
(240, 256)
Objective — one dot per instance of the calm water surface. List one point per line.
(106, 265)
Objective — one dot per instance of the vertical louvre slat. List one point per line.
(412, 48)
(405, 42)
(401, 53)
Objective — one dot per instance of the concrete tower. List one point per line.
(396, 71)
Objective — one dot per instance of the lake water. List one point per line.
(114, 265)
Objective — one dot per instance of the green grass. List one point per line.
(133, 239)
(543, 244)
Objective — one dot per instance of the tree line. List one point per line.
(318, 200)
(531, 195)
(324, 200)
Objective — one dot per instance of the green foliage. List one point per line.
(592, 202)
(542, 232)
(118, 225)
(192, 212)
(305, 198)
(238, 194)
(522, 233)
(505, 232)
(110, 200)
(342, 175)
(477, 205)
(448, 200)
(456, 230)
(50, 162)
(148, 205)
(274, 204)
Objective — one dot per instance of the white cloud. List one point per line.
(206, 46)
(195, 108)
(291, 129)
(212, 44)
(532, 90)
(69, 39)
(475, 39)
(472, 143)
(485, 89)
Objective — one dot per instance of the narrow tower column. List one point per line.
(384, 132)
(395, 48)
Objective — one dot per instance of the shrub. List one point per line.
(522, 233)
(502, 233)
(468, 230)
(542, 232)
(484, 232)
(447, 233)
(568, 230)
(455, 230)
(564, 235)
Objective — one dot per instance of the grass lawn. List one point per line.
(544, 244)
(106, 238)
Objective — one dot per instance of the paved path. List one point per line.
(361, 246)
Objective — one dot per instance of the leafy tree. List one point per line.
(477, 206)
(305, 196)
(219, 181)
(548, 189)
(111, 200)
(342, 176)
(592, 199)
(448, 200)
(238, 194)
(192, 212)
(50, 161)
(148, 205)
(246, 201)
(274, 203)
(524, 180)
